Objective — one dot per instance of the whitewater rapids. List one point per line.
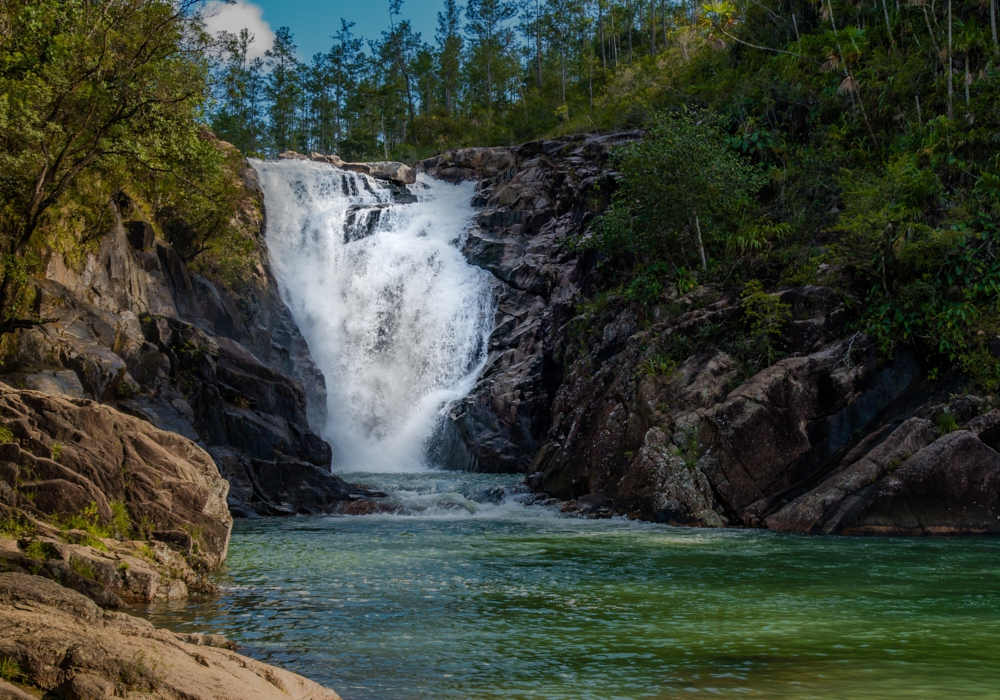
(395, 317)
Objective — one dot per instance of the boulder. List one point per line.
(822, 509)
(75, 454)
(66, 646)
(951, 486)
(468, 164)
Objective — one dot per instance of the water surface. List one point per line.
(476, 596)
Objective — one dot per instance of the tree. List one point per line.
(397, 49)
(346, 62)
(238, 93)
(487, 24)
(283, 90)
(88, 84)
(449, 54)
(681, 192)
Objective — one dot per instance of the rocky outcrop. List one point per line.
(906, 479)
(60, 643)
(106, 503)
(392, 171)
(605, 409)
(533, 197)
(469, 164)
(131, 324)
(67, 454)
(824, 441)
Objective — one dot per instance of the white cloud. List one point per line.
(220, 17)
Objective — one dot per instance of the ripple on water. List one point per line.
(507, 601)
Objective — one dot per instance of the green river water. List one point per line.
(473, 595)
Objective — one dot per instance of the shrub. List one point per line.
(946, 423)
(764, 316)
(121, 521)
(10, 669)
(41, 551)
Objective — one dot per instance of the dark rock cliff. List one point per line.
(131, 325)
(823, 441)
(532, 196)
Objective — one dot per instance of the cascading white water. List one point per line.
(395, 317)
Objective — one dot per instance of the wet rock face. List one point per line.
(532, 197)
(66, 646)
(134, 327)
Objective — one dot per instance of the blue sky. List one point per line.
(314, 21)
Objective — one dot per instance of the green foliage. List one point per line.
(15, 525)
(659, 365)
(41, 551)
(83, 568)
(121, 520)
(101, 102)
(946, 422)
(88, 520)
(10, 669)
(681, 191)
(764, 316)
(56, 449)
(5, 435)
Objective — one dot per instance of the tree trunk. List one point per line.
(888, 25)
(968, 80)
(652, 28)
(562, 61)
(920, 118)
(993, 23)
(628, 11)
(951, 77)
(663, 20)
(538, 46)
(600, 26)
(701, 243)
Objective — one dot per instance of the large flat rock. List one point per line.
(64, 644)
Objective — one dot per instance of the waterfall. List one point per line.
(395, 317)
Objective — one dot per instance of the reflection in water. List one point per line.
(522, 602)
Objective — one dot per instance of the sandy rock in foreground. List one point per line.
(65, 644)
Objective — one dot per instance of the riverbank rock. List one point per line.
(390, 170)
(68, 455)
(106, 503)
(61, 643)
